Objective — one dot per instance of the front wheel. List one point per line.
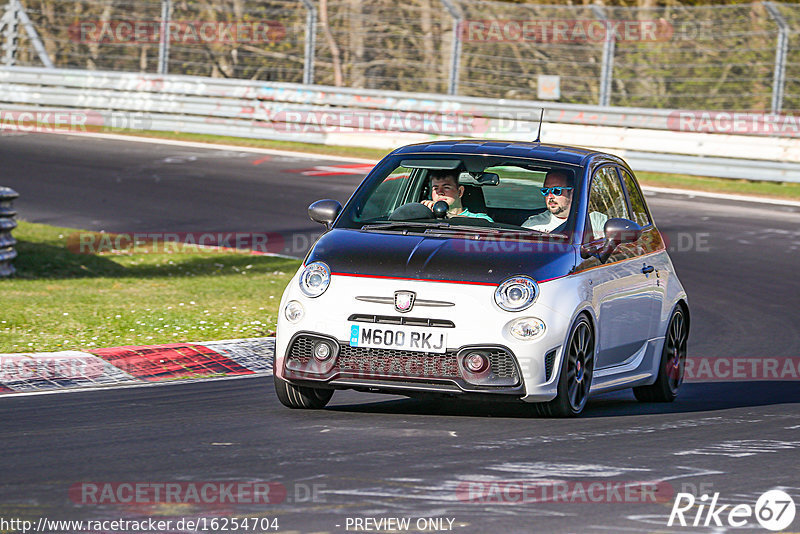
(577, 369)
(673, 363)
(302, 397)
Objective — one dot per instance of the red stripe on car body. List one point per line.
(415, 279)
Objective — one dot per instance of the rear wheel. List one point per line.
(673, 363)
(577, 369)
(301, 396)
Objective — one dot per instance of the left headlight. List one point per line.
(516, 293)
(315, 279)
(526, 328)
(294, 311)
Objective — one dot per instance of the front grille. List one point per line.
(362, 362)
(410, 321)
(397, 363)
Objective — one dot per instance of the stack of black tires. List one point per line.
(7, 223)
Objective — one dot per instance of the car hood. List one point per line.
(444, 259)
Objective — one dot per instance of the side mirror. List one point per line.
(622, 231)
(617, 232)
(324, 211)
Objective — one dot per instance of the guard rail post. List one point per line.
(455, 51)
(10, 33)
(781, 50)
(607, 68)
(310, 42)
(163, 39)
(7, 223)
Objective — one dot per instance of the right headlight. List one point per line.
(516, 293)
(315, 279)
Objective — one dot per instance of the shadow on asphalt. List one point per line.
(695, 397)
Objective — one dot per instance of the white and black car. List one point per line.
(399, 298)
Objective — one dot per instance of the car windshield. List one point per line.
(476, 194)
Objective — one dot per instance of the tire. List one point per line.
(300, 396)
(672, 365)
(575, 378)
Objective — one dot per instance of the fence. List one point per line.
(742, 57)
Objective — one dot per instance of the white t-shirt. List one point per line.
(544, 222)
(547, 222)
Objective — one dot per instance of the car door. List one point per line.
(621, 292)
(648, 247)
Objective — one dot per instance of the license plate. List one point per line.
(398, 337)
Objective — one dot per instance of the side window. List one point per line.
(606, 201)
(638, 207)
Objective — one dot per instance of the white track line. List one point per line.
(721, 196)
(215, 146)
(323, 157)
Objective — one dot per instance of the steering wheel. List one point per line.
(417, 210)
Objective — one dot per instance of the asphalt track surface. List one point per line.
(379, 456)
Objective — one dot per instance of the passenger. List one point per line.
(557, 204)
(444, 186)
(557, 190)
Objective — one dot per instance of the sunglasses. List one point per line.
(557, 191)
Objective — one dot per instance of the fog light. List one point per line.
(527, 328)
(322, 351)
(476, 362)
(293, 312)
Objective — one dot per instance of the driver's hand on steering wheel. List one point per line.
(428, 204)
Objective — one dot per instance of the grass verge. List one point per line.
(60, 300)
(760, 188)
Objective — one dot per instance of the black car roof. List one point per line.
(521, 149)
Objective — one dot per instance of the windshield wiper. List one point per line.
(429, 227)
(494, 230)
(404, 224)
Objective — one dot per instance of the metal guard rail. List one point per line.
(245, 108)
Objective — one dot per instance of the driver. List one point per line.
(444, 186)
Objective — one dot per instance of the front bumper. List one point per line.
(381, 369)
(526, 370)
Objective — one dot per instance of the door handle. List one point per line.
(647, 269)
